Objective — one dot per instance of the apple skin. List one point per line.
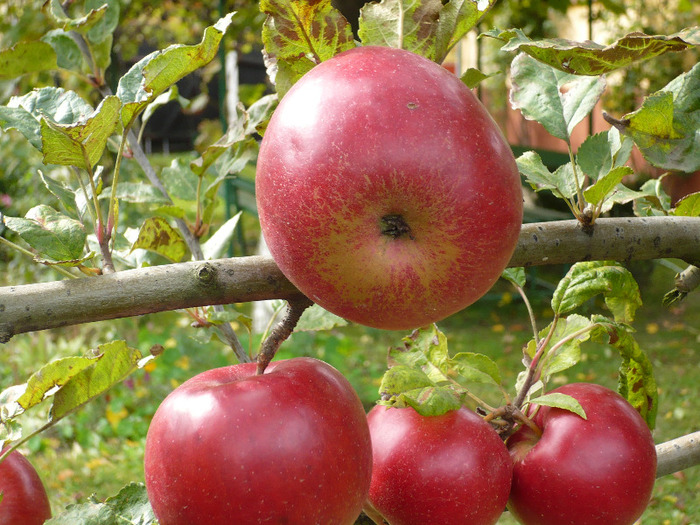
(290, 446)
(24, 500)
(451, 469)
(600, 470)
(366, 137)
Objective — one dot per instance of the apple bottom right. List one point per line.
(597, 470)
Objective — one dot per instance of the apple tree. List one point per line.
(112, 245)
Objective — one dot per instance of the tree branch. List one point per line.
(41, 306)
(678, 454)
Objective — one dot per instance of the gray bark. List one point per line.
(130, 293)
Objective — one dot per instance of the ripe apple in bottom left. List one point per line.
(289, 446)
(24, 499)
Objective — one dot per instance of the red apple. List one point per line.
(288, 446)
(599, 470)
(451, 469)
(24, 499)
(386, 192)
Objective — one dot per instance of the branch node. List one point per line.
(206, 274)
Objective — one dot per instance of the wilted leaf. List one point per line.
(666, 128)
(563, 401)
(53, 235)
(299, 35)
(82, 143)
(585, 280)
(51, 376)
(590, 58)
(156, 72)
(129, 507)
(158, 236)
(557, 100)
(636, 376)
(688, 206)
(26, 57)
(114, 362)
(401, 24)
(425, 349)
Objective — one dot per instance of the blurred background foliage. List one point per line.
(100, 448)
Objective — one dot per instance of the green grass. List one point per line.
(100, 448)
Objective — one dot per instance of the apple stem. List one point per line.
(282, 331)
(395, 226)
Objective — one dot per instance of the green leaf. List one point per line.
(80, 144)
(129, 507)
(64, 194)
(457, 18)
(563, 401)
(138, 192)
(586, 280)
(399, 379)
(218, 244)
(602, 152)
(557, 100)
(52, 234)
(402, 24)
(590, 58)
(315, 319)
(475, 368)
(82, 24)
(564, 348)
(606, 184)
(652, 199)
(104, 27)
(688, 206)
(472, 77)
(155, 73)
(51, 376)
(666, 128)
(68, 54)
(515, 276)
(180, 180)
(425, 349)
(114, 362)
(561, 183)
(26, 57)
(158, 236)
(403, 386)
(25, 113)
(299, 35)
(636, 381)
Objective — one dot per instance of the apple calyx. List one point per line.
(395, 226)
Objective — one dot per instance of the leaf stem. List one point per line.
(24, 251)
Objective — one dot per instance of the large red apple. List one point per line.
(386, 192)
(599, 470)
(24, 499)
(289, 446)
(451, 469)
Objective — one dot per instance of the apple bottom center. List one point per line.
(395, 226)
